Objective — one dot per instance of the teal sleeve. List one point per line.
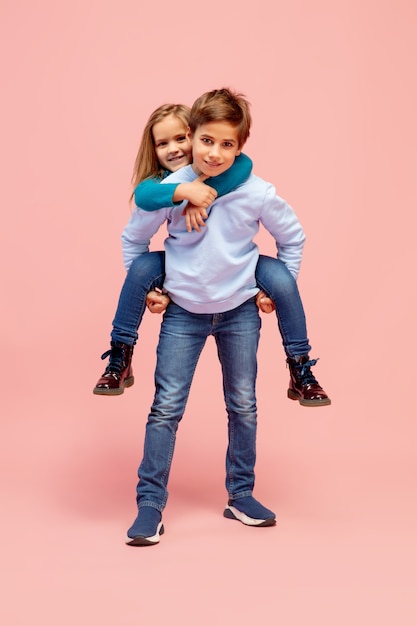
(150, 195)
(233, 177)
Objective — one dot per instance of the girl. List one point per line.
(165, 148)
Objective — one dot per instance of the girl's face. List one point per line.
(172, 146)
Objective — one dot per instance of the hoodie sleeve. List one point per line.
(138, 232)
(280, 220)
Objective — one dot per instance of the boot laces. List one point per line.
(306, 375)
(116, 362)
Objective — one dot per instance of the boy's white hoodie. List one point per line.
(213, 271)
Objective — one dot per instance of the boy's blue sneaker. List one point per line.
(146, 529)
(250, 512)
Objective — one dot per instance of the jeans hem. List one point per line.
(153, 505)
(242, 494)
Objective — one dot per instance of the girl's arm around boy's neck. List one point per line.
(150, 195)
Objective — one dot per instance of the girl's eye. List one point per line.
(161, 144)
(182, 138)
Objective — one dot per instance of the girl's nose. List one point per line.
(172, 148)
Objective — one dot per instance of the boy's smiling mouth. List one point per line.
(213, 164)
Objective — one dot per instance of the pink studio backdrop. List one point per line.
(333, 93)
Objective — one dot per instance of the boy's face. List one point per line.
(215, 146)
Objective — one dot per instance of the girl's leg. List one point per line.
(277, 282)
(273, 277)
(145, 273)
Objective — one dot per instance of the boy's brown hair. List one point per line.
(222, 105)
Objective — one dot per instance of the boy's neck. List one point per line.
(196, 170)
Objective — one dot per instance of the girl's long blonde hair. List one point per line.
(146, 162)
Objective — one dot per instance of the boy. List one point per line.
(210, 279)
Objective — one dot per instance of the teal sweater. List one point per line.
(151, 196)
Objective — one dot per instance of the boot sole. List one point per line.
(114, 392)
(293, 396)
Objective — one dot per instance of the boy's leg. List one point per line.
(181, 341)
(237, 338)
(145, 273)
(275, 279)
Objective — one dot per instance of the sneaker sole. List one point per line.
(114, 392)
(293, 396)
(147, 541)
(231, 512)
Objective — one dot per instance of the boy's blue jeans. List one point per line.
(272, 276)
(182, 338)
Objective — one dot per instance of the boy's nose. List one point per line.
(214, 151)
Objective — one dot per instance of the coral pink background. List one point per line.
(333, 91)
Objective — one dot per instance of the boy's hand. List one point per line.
(157, 302)
(194, 217)
(264, 302)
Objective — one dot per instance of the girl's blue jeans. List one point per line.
(272, 276)
(182, 338)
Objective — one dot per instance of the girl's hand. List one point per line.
(264, 302)
(197, 192)
(194, 217)
(157, 302)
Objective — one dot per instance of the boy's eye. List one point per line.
(206, 140)
(228, 144)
